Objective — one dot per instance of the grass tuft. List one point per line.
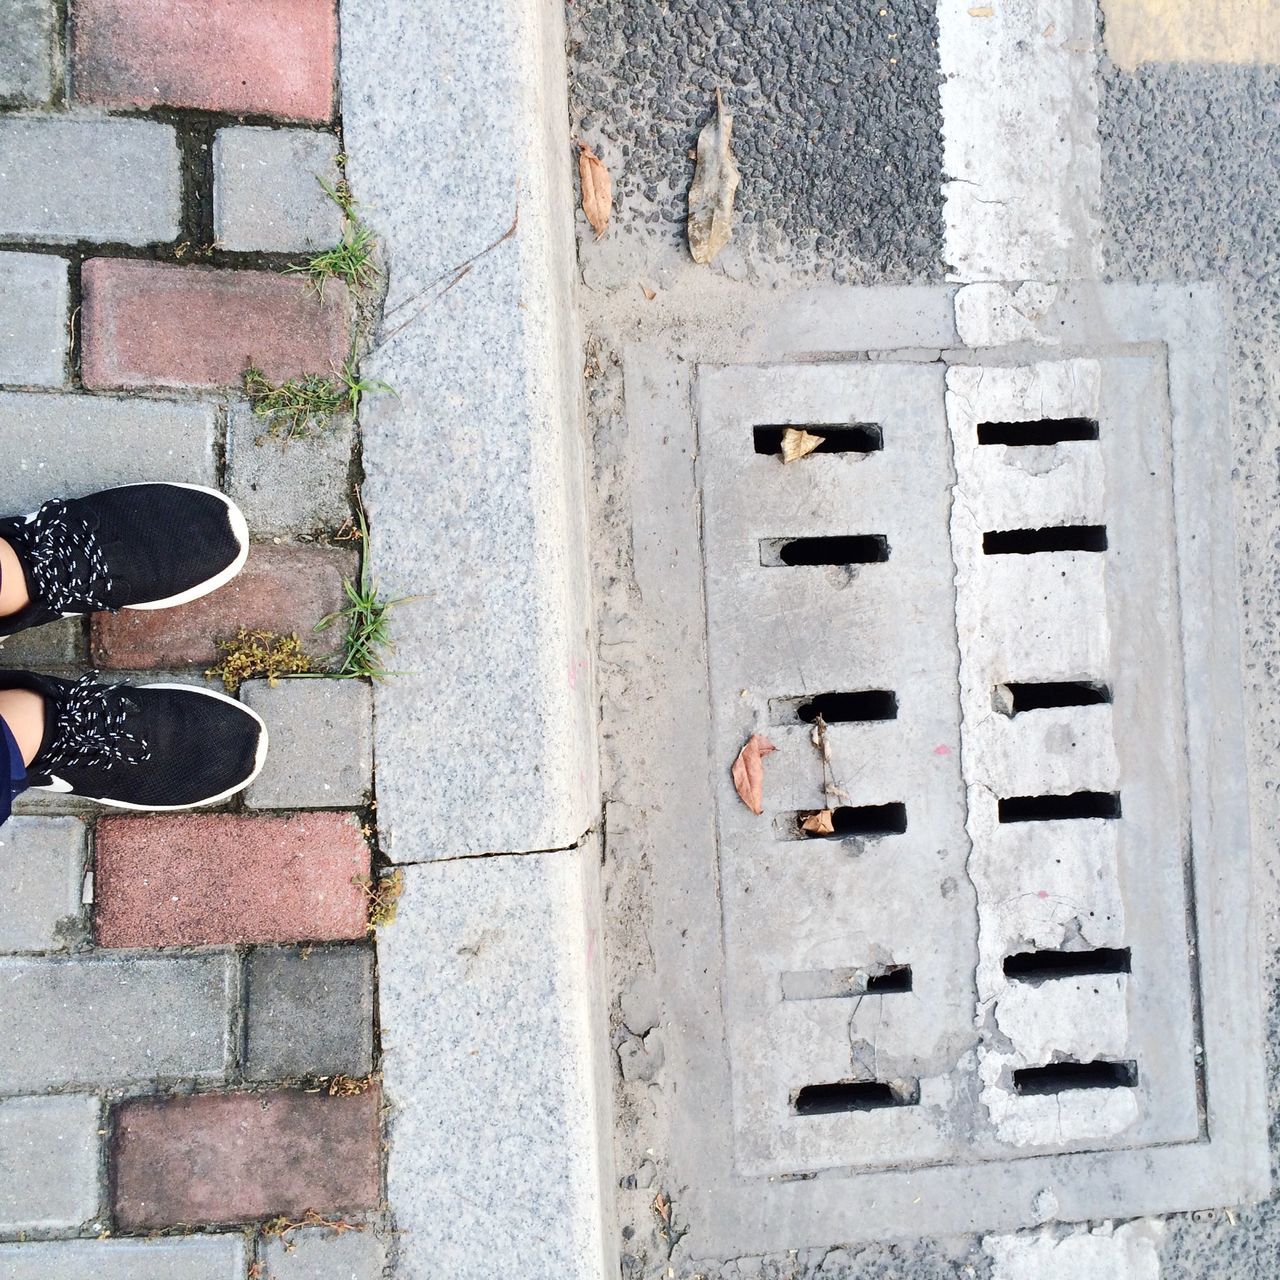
(299, 408)
(254, 654)
(352, 258)
(367, 618)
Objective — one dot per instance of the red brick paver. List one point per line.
(269, 57)
(219, 878)
(226, 1158)
(282, 589)
(152, 324)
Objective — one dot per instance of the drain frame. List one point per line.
(732, 1209)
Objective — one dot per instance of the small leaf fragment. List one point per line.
(819, 824)
(650, 294)
(597, 189)
(715, 183)
(748, 772)
(798, 443)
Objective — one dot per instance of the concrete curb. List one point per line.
(491, 1005)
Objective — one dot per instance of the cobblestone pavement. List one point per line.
(189, 1086)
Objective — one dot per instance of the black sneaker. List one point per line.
(141, 546)
(155, 746)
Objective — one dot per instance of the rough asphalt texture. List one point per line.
(836, 122)
(1191, 190)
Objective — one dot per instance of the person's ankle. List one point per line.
(14, 596)
(23, 710)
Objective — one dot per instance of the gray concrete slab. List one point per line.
(64, 445)
(481, 441)
(28, 43)
(33, 319)
(123, 1020)
(210, 1257)
(485, 1019)
(302, 486)
(325, 1255)
(50, 1156)
(60, 180)
(42, 863)
(309, 1013)
(321, 743)
(266, 193)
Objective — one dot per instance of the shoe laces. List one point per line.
(90, 728)
(64, 560)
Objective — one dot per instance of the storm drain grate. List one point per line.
(961, 935)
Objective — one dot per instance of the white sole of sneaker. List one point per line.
(58, 786)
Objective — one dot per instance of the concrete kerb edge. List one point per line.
(546, 263)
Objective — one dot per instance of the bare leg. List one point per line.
(23, 712)
(13, 585)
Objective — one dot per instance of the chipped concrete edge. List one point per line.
(451, 115)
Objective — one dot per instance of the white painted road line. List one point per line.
(1020, 140)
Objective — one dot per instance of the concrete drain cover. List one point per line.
(994, 982)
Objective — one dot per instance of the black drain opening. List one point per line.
(895, 979)
(1080, 804)
(854, 1095)
(843, 437)
(863, 548)
(837, 708)
(845, 983)
(1058, 537)
(1042, 966)
(1061, 1077)
(1042, 431)
(854, 820)
(1056, 693)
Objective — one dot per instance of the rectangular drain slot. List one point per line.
(1058, 537)
(854, 1095)
(836, 708)
(866, 548)
(1013, 699)
(835, 984)
(1041, 432)
(1080, 804)
(1061, 1077)
(847, 820)
(845, 437)
(1043, 966)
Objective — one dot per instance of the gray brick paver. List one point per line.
(60, 180)
(265, 190)
(33, 319)
(26, 51)
(65, 445)
(49, 1160)
(326, 1255)
(41, 878)
(321, 754)
(218, 1257)
(114, 1021)
(310, 1012)
(297, 487)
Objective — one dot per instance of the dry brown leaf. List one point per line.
(748, 772)
(980, 11)
(648, 293)
(662, 1207)
(597, 189)
(798, 443)
(819, 824)
(715, 183)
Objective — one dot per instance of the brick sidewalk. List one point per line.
(188, 999)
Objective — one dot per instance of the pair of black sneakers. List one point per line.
(142, 546)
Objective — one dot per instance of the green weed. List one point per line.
(300, 407)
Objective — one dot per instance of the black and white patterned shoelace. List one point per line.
(67, 569)
(90, 728)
